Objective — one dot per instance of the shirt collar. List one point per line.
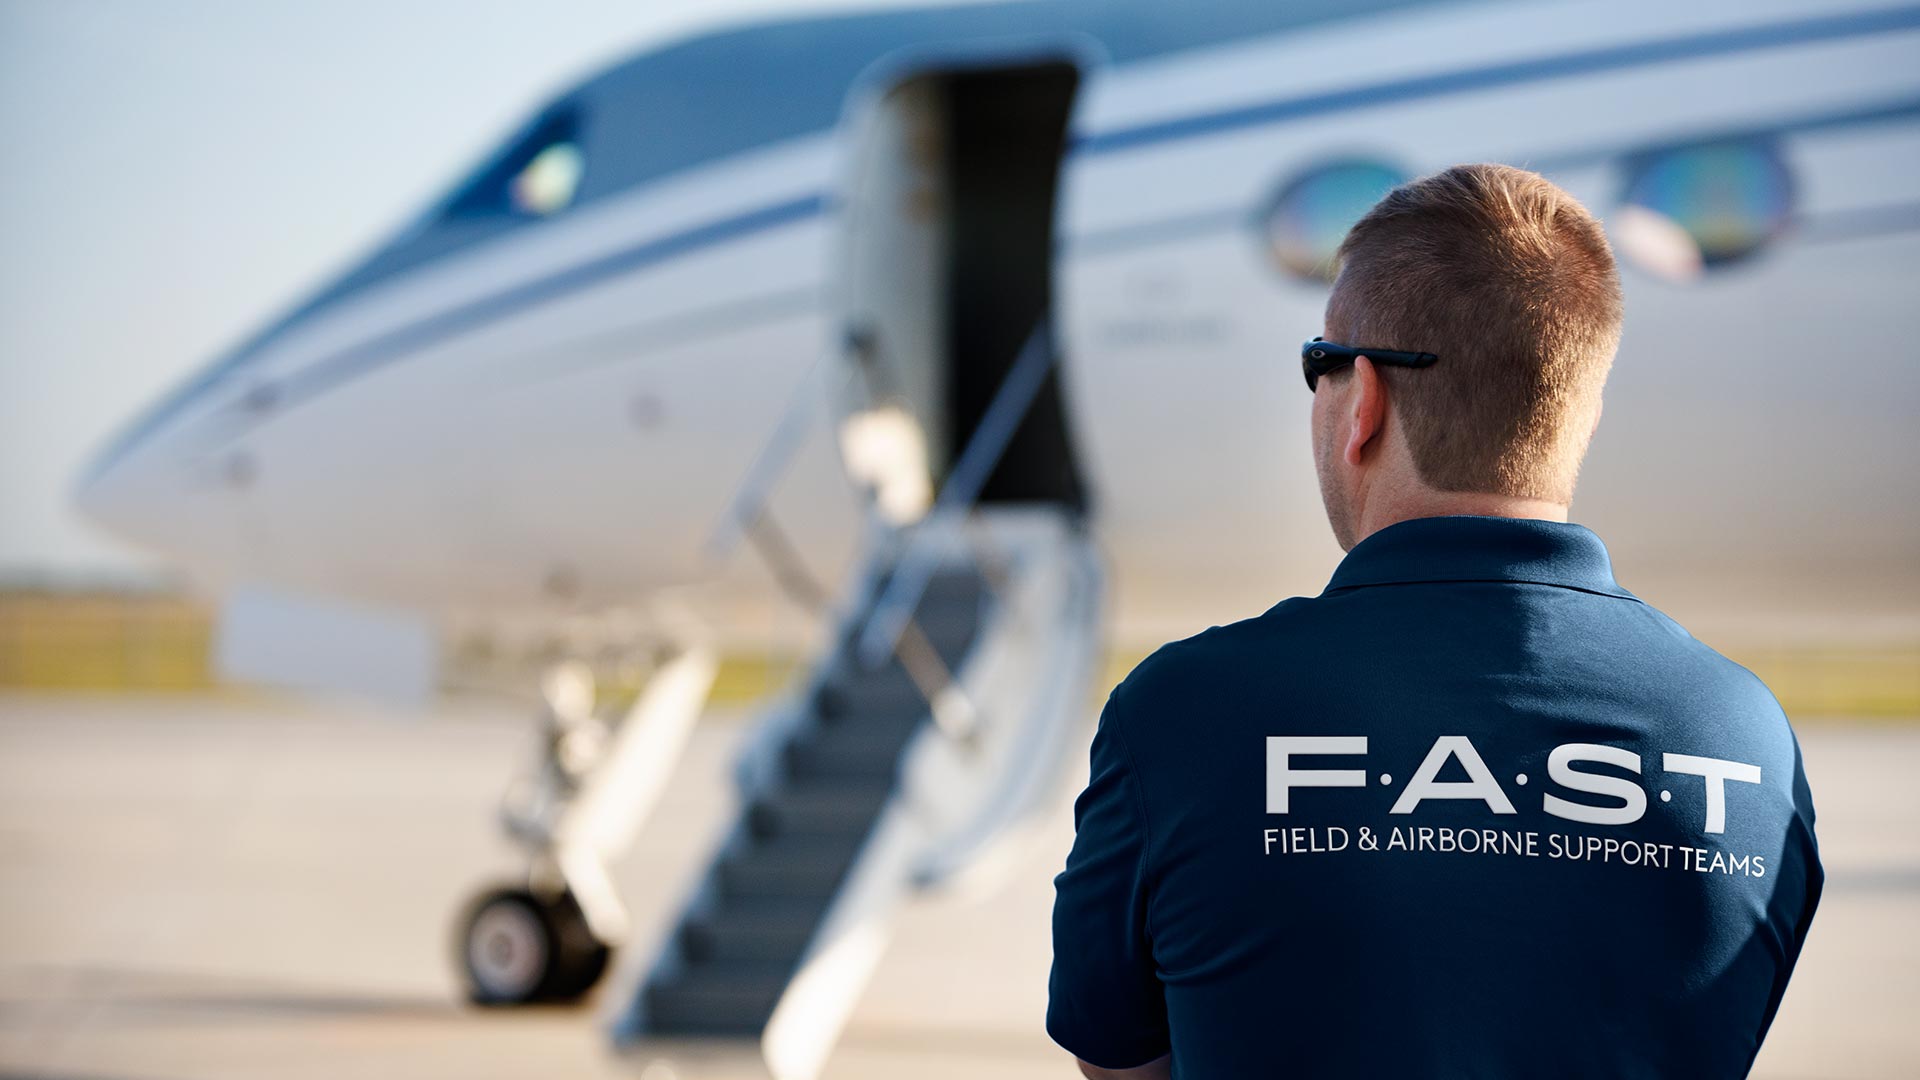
(1471, 547)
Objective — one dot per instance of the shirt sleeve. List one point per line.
(1799, 881)
(1105, 1002)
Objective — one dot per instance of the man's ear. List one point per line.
(1367, 411)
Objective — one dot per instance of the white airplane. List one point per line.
(975, 330)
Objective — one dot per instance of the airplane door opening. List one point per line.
(949, 272)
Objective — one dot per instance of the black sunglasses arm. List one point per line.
(1326, 352)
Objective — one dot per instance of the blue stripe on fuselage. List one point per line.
(1559, 66)
(388, 347)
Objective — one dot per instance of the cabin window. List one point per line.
(1689, 210)
(1302, 226)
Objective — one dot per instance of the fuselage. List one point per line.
(549, 392)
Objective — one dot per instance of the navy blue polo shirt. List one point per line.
(1475, 810)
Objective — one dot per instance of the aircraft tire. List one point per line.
(517, 948)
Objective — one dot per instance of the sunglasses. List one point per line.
(1319, 357)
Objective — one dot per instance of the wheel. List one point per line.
(517, 948)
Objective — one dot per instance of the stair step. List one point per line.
(721, 997)
(767, 929)
(862, 728)
(790, 866)
(803, 809)
(849, 752)
(948, 624)
(950, 631)
(886, 693)
(946, 586)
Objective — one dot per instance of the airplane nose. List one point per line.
(141, 487)
(90, 494)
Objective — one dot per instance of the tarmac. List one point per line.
(215, 886)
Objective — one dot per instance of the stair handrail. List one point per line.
(925, 549)
(757, 486)
(1024, 786)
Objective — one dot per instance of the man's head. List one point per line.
(1509, 280)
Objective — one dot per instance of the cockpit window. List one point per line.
(1304, 224)
(547, 184)
(1688, 210)
(538, 176)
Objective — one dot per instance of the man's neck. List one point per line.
(1408, 505)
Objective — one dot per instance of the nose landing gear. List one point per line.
(550, 940)
(519, 948)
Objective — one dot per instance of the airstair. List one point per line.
(830, 780)
(920, 751)
(873, 782)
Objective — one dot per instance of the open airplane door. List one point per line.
(928, 738)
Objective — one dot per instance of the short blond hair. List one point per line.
(1510, 281)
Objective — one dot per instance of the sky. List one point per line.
(175, 174)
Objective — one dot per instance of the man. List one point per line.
(1475, 810)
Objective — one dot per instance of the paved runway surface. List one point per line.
(214, 888)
